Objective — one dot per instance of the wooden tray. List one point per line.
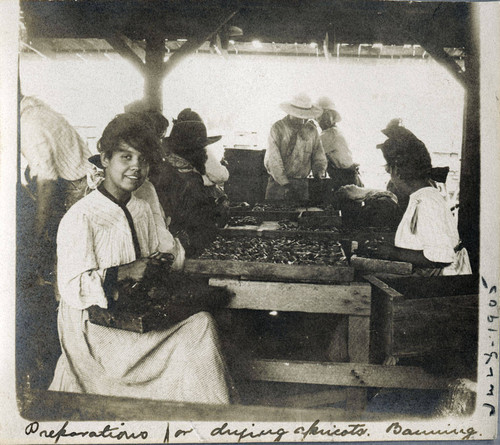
(270, 271)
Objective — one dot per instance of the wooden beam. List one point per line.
(121, 47)
(433, 48)
(298, 297)
(470, 166)
(442, 57)
(358, 348)
(153, 79)
(383, 266)
(311, 400)
(193, 44)
(62, 406)
(270, 271)
(359, 375)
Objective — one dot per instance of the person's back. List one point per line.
(181, 191)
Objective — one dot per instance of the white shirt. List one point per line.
(216, 173)
(93, 236)
(428, 225)
(51, 146)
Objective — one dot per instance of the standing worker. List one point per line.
(294, 150)
(341, 167)
(56, 177)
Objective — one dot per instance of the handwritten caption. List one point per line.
(491, 356)
(226, 430)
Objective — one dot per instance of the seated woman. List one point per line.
(109, 237)
(427, 235)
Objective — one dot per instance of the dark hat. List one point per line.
(189, 115)
(96, 160)
(393, 127)
(190, 135)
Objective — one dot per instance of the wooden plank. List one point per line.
(384, 266)
(62, 406)
(382, 286)
(352, 298)
(338, 348)
(460, 307)
(358, 347)
(267, 215)
(360, 375)
(430, 325)
(317, 219)
(311, 400)
(306, 273)
(430, 287)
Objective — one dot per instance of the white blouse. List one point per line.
(428, 225)
(93, 236)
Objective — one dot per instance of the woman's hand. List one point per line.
(135, 270)
(385, 251)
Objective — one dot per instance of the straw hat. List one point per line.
(325, 103)
(302, 107)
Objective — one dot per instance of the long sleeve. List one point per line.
(79, 278)
(147, 192)
(216, 173)
(437, 244)
(272, 158)
(318, 159)
(428, 225)
(336, 149)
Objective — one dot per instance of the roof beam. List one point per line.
(121, 47)
(193, 44)
(440, 55)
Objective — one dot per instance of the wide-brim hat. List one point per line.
(325, 103)
(189, 115)
(302, 107)
(190, 134)
(96, 160)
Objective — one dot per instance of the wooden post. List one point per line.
(153, 78)
(358, 349)
(468, 213)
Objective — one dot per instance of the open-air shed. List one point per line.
(156, 35)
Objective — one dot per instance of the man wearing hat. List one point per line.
(294, 150)
(179, 184)
(341, 167)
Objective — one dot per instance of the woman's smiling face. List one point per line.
(125, 171)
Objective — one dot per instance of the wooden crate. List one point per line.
(246, 188)
(423, 317)
(245, 162)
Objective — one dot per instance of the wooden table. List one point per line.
(307, 289)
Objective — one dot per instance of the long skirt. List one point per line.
(183, 363)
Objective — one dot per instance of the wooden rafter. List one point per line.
(121, 47)
(193, 44)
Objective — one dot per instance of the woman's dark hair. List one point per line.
(159, 123)
(408, 155)
(133, 129)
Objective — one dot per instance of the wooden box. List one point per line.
(245, 162)
(424, 316)
(143, 310)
